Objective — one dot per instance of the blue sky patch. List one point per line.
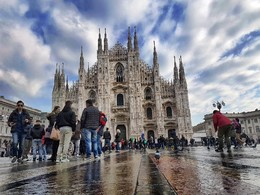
(245, 41)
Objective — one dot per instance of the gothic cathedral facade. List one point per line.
(132, 94)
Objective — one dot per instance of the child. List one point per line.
(37, 133)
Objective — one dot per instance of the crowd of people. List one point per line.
(76, 137)
(83, 137)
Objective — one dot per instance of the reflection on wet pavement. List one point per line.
(206, 172)
(197, 171)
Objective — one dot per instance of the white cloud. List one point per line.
(208, 30)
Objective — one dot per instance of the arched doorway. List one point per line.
(170, 132)
(123, 131)
(150, 133)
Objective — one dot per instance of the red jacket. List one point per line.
(219, 120)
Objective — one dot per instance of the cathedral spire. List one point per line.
(67, 84)
(175, 72)
(105, 43)
(62, 70)
(182, 73)
(155, 59)
(81, 63)
(136, 47)
(99, 43)
(56, 68)
(129, 43)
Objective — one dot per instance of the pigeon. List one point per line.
(157, 155)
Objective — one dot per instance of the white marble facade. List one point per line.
(133, 95)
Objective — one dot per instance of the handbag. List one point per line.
(55, 134)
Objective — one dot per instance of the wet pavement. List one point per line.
(197, 171)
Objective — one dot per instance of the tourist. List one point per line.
(66, 123)
(107, 138)
(37, 132)
(18, 120)
(54, 143)
(89, 125)
(223, 125)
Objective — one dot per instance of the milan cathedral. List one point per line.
(133, 95)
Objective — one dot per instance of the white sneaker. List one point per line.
(65, 160)
(97, 158)
(58, 160)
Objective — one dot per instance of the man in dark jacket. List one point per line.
(107, 138)
(66, 122)
(18, 120)
(89, 124)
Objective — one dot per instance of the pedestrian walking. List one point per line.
(18, 120)
(66, 123)
(117, 139)
(28, 140)
(37, 133)
(100, 130)
(238, 130)
(223, 126)
(89, 125)
(54, 144)
(107, 138)
(75, 139)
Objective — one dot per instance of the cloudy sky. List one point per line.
(219, 42)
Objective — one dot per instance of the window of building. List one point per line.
(250, 130)
(120, 100)
(169, 112)
(257, 129)
(255, 120)
(148, 93)
(241, 122)
(119, 73)
(149, 113)
(248, 121)
(92, 96)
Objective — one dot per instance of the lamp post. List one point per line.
(218, 104)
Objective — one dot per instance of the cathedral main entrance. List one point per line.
(149, 134)
(123, 131)
(170, 132)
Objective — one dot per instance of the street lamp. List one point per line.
(218, 104)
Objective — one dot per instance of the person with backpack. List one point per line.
(102, 123)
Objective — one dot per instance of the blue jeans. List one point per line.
(117, 146)
(37, 143)
(107, 143)
(90, 136)
(18, 139)
(99, 146)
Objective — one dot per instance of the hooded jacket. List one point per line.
(66, 118)
(37, 131)
(219, 120)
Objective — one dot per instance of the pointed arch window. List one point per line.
(119, 73)
(120, 100)
(149, 113)
(148, 93)
(169, 112)
(92, 96)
